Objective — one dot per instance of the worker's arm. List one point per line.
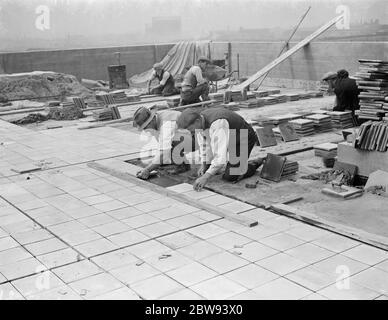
(199, 76)
(163, 154)
(153, 76)
(219, 133)
(166, 75)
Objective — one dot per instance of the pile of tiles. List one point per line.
(79, 102)
(372, 80)
(290, 168)
(251, 103)
(217, 96)
(341, 119)
(119, 96)
(303, 127)
(372, 135)
(322, 122)
(326, 150)
(173, 101)
(103, 115)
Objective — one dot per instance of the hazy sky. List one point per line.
(98, 17)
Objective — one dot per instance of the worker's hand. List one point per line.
(200, 182)
(202, 170)
(143, 174)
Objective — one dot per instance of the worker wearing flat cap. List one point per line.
(346, 92)
(162, 126)
(330, 78)
(166, 86)
(194, 84)
(225, 143)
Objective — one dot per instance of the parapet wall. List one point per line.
(304, 67)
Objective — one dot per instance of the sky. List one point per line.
(19, 18)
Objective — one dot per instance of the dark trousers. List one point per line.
(167, 90)
(192, 96)
(252, 141)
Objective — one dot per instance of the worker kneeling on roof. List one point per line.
(166, 85)
(162, 125)
(225, 140)
(194, 84)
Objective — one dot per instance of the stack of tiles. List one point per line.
(269, 100)
(304, 95)
(315, 94)
(173, 101)
(103, 115)
(326, 150)
(233, 106)
(322, 122)
(261, 93)
(96, 104)
(79, 102)
(303, 127)
(273, 91)
(263, 121)
(290, 168)
(372, 135)
(341, 119)
(277, 133)
(106, 98)
(53, 103)
(250, 103)
(372, 80)
(284, 118)
(292, 96)
(251, 95)
(281, 98)
(217, 96)
(119, 96)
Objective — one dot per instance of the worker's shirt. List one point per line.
(193, 78)
(164, 135)
(213, 144)
(164, 79)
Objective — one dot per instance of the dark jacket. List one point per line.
(347, 93)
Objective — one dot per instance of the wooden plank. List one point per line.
(123, 175)
(353, 233)
(288, 53)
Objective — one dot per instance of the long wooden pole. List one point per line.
(288, 53)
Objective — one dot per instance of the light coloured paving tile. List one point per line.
(229, 225)
(77, 271)
(307, 232)
(45, 246)
(148, 249)
(382, 266)
(352, 292)
(224, 262)
(281, 223)
(185, 294)
(84, 193)
(21, 268)
(140, 220)
(156, 205)
(178, 240)
(198, 195)
(339, 264)
(9, 292)
(13, 255)
(83, 212)
(282, 289)
(218, 288)
(281, 241)
(134, 272)
(374, 279)
(128, 238)
(168, 261)
(120, 294)
(206, 231)
(124, 213)
(258, 232)
(110, 205)
(229, 240)
(247, 295)
(366, 254)
(96, 247)
(98, 198)
(156, 287)
(217, 200)
(115, 259)
(112, 228)
(95, 285)
(204, 215)
(251, 276)
(192, 274)
(7, 243)
(157, 229)
(76, 238)
(59, 258)
(260, 214)
(382, 297)
(67, 227)
(311, 278)
(186, 221)
(281, 264)
(53, 219)
(96, 220)
(314, 296)
(309, 253)
(59, 293)
(180, 188)
(37, 283)
(254, 251)
(200, 250)
(2, 279)
(335, 243)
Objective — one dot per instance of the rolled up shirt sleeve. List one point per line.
(198, 74)
(166, 134)
(153, 76)
(219, 140)
(166, 75)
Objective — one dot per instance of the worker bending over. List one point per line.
(162, 125)
(225, 140)
(166, 85)
(194, 84)
(346, 92)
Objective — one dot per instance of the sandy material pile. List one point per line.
(41, 84)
